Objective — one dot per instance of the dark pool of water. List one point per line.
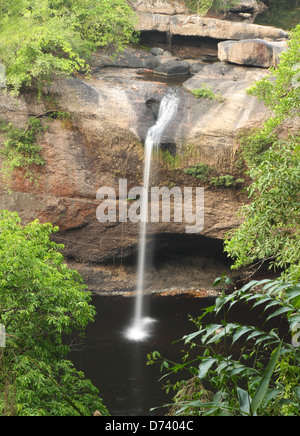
(118, 367)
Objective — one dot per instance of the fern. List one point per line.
(265, 380)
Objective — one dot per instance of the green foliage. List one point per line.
(41, 301)
(280, 13)
(265, 378)
(271, 228)
(281, 94)
(203, 6)
(20, 150)
(227, 181)
(206, 92)
(172, 162)
(40, 38)
(200, 171)
(204, 172)
(254, 145)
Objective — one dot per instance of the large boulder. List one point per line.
(252, 52)
(246, 10)
(173, 68)
(129, 58)
(212, 125)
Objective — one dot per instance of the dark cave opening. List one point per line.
(192, 47)
(164, 248)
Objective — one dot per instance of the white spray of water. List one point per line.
(168, 108)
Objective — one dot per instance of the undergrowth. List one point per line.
(21, 150)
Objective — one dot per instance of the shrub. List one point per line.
(200, 171)
(206, 92)
(227, 181)
(20, 149)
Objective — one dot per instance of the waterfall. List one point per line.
(168, 108)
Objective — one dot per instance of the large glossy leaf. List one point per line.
(265, 381)
(245, 401)
(205, 367)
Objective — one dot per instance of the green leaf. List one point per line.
(224, 331)
(280, 311)
(265, 381)
(211, 329)
(294, 319)
(297, 392)
(229, 282)
(217, 282)
(191, 336)
(262, 301)
(241, 332)
(245, 401)
(270, 396)
(205, 367)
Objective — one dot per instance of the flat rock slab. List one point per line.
(193, 25)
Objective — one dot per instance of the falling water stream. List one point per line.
(139, 329)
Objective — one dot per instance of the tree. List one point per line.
(41, 300)
(40, 38)
(271, 227)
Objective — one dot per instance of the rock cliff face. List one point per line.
(112, 113)
(103, 143)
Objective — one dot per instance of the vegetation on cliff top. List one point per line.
(40, 38)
